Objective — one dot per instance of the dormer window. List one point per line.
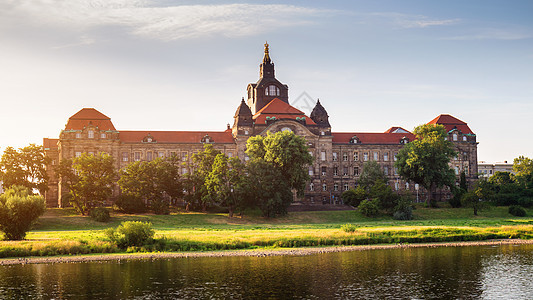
(454, 137)
(102, 135)
(464, 138)
(148, 139)
(404, 140)
(354, 140)
(207, 139)
(272, 90)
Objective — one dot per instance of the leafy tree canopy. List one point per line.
(201, 165)
(523, 168)
(372, 173)
(89, 180)
(25, 167)
(425, 160)
(18, 211)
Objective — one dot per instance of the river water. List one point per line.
(474, 272)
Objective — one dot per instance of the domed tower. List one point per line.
(267, 88)
(243, 122)
(320, 116)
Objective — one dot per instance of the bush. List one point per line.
(369, 208)
(354, 197)
(517, 210)
(131, 233)
(100, 214)
(130, 204)
(160, 207)
(525, 201)
(455, 201)
(18, 211)
(348, 227)
(404, 209)
(505, 199)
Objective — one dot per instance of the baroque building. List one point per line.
(338, 156)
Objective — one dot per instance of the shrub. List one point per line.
(131, 233)
(525, 201)
(18, 211)
(160, 206)
(130, 204)
(354, 197)
(348, 227)
(517, 210)
(455, 201)
(404, 209)
(100, 214)
(369, 208)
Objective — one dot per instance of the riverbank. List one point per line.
(252, 253)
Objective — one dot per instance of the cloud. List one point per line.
(146, 19)
(493, 34)
(414, 21)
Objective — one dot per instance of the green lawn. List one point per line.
(62, 231)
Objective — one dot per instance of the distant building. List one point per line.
(489, 169)
(338, 156)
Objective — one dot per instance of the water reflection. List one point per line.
(445, 273)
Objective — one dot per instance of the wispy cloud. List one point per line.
(493, 34)
(146, 19)
(414, 21)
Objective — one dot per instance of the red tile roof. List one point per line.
(397, 130)
(50, 144)
(281, 110)
(371, 138)
(451, 123)
(218, 137)
(88, 116)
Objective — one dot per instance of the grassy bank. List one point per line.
(62, 232)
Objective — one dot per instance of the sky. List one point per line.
(185, 65)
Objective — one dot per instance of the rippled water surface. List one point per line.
(490, 272)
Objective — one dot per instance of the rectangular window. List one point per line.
(335, 171)
(334, 156)
(346, 187)
(311, 187)
(345, 156)
(137, 156)
(356, 171)
(78, 153)
(78, 135)
(386, 156)
(230, 154)
(125, 156)
(311, 171)
(183, 156)
(90, 134)
(324, 171)
(356, 156)
(335, 187)
(324, 187)
(323, 155)
(365, 156)
(376, 156)
(345, 171)
(161, 154)
(172, 153)
(183, 171)
(149, 156)
(102, 135)
(386, 170)
(395, 156)
(395, 171)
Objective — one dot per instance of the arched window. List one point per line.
(272, 90)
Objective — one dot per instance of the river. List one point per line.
(473, 272)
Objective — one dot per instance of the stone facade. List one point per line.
(338, 156)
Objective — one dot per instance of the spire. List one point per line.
(266, 58)
(320, 115)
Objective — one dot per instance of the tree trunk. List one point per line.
(475, 209)
(231, 209)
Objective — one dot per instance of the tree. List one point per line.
(18, 211)
(225, 183)
(425, 160)
(157, 183)
(354, 197)
(458, 192)
(202, 164)
(383, 193)
(523, 168)
(89, 180)
(372, 172)
(478, 196)
(26, 167)
(287, 152)
(267, 187)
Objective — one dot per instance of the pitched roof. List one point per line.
(243, 109)
(186, 137)
(451, 123)
(371, 138)
(50, 144)
(397, 130)
(88, 116)
(281, 110)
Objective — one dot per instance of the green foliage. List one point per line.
(517, 210)
(287, 152)
(89, 180)
(130, 204)
(225, 183)
(131, 233)
(202, 163)
(477, 197)
(425, 160)
(100, 214)
(267, 188)
(386, 197)
(24, 167)
(404, 209)
(18, 211)
(354, 197)
(523, 168)
(348, 228)
(369, 208)
(372, 173)
(154, 182)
